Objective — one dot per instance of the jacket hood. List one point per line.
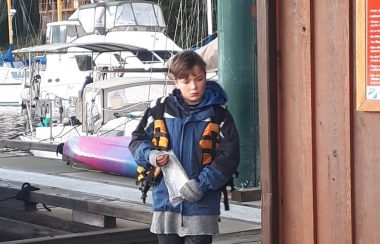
(214, 95)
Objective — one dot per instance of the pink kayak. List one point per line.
(107, 154)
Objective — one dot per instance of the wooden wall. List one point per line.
(319, 156)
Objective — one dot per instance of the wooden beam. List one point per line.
(80, 201)
(295, 121)
(24, 145)
(267, 91)
(333, 78)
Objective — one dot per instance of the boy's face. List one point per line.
(193, 86)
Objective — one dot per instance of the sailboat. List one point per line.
(12, 72)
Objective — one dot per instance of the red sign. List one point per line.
(373, 42)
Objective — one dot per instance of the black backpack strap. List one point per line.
(149, 175)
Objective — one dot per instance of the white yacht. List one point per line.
(13, 75)
(122, 46)
(138, 24)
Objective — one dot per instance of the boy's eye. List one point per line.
(184, 81)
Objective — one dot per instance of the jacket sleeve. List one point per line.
(141, 145)
(226, 161)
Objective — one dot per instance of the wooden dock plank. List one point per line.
(244, 237)
(80, 201)
(27, 230)
(109, 236)
(41, 219)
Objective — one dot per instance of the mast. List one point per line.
(59, 10)
(11, 12)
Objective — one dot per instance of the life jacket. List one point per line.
(209, 145)
(210, 140)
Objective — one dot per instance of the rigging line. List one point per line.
(201, 41)
(179, 25)
(176, 27)
(204, 27)
(29, 21)
(186, 30)
(192, 34)
(198, 22)
(24, 21)
(194, 23)
(3, 13)
(183, 27)
(188, 24)
(57, 136)
(17, 42)
(167, 34)
(170, 11)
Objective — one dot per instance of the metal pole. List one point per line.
(51, 120)
(209, 17)
(238, 75)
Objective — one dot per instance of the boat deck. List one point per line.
(104, 194)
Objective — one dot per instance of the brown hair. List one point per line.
(183, 62)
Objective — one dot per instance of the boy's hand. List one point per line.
(158, 158)
(162, 160)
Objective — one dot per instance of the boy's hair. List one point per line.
(183, 62)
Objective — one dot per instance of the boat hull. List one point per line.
(106, 154)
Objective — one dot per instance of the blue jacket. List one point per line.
(185, 127)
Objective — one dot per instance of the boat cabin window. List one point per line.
(110, 17)
(165, 55)
(87, 16)
(147, 57)
(160, 16)
(15, 64)
(71, 33)
(61, 33)
(136, 98)
(124, 15)
(144, 13)
(84, 62)
(121, 15)
(58, 34)
(100, 20)
(80, 31)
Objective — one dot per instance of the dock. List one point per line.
(74, 204)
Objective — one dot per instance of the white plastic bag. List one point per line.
(175, 177)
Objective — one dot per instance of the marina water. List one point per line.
(12, 124)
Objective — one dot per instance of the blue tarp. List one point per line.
(41, 60)
(7, 57)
